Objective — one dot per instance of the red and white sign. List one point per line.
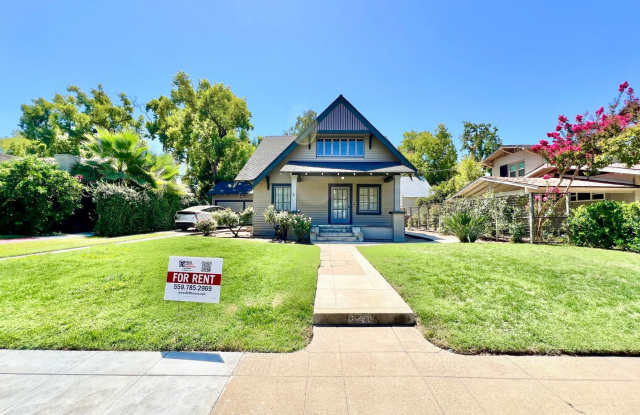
(193, 279)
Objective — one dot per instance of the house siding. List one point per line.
(531, 161)
(377, 152)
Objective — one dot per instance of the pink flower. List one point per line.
(537, 198)
(544, 199)
(600, 111)
(562, 119)
(546, 176)
(579, 118)
(544, 143)
(623, 86)
(630, 91)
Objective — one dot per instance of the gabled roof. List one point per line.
(414, 187)
(231, 188)
(346, 119)
(504, 150)
(264, 156)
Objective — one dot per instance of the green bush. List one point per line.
(206, 226)
(228, 218)
(121, 210)
(632, 226)
(301, 225)
(598, 225)
(517, 231)
(35, 197)
(246, 216)
(465, 226)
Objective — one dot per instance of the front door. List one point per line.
(340, 204)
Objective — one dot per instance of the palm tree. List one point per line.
(124, 157)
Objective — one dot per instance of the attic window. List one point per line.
(516, 169)
(340, 147)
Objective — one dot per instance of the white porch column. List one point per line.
(396, 192)
(294, 192)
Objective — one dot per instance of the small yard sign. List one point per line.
(193, 279)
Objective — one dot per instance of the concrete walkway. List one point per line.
(350, 291)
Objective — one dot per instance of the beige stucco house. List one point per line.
(515, 169)
(342, 172)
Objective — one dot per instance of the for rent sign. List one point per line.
(193, 279)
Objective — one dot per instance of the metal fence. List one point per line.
(507, 217)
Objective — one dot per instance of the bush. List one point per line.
(121, 210)
(206, 226)
(283, 220)
(301, 225)
(465, 226)
(517, 231)
(598, 225)
(632, 226)
(228, 218)
(35, 197)
(246, 216)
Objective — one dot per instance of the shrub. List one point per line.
(121, 210)
(246, 216)
(465, 226)
(301, 225)
(283, 220)
(206, 226)
(632, 226)
(517, 231)
(228, 218)
(598, 225)
(269, 215)
(35, 197)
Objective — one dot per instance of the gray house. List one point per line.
(342, 172)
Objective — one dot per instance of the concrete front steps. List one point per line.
(352, 292)
(336, 233)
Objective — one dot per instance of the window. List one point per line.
(516, 169)
(583, 197)
(340, 147)
(281, 196)
(368, 199)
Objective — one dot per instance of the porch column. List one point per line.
(398, 213)
(294, 183)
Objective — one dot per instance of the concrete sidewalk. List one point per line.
(351, 291)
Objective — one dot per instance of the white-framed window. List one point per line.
(585, 197)
(340, 147)
(516, 169)
(281, 196)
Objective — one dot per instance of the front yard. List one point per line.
(518, 298)
(111, 298)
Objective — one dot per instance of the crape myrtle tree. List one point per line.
(590, 143)
(205, 126)
(63, 123)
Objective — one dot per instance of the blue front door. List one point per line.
(340, 204)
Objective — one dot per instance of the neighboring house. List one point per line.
(413, 188)
(342, 172)
(6, 157)
(236, 196)
(515, 169)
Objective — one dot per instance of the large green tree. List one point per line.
(205, 126)
(63, 123)
(433, 154)
(303, 121)
(480, 139)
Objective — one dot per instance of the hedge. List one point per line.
(35, 197)
(606, 224)
(122, 210)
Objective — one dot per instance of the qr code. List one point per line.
(206, 266)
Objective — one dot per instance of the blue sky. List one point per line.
(404, 65)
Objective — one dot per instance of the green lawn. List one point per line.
(44, 245)
(111, 298)
(519, 298)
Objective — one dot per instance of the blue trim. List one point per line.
(350, 186)
(273, 188)
(369, 212)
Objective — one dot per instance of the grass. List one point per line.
(518, 298)
(8, 249)
(111, 298)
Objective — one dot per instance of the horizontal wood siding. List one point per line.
(531, 161)
(377, 152)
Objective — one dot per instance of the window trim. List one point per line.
(273, 194)
(516, 164)
(369, 212)
(573, 197)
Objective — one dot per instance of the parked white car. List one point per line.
(187, 218)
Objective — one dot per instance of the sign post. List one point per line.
(193, 279)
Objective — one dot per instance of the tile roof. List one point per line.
(268, 150)
(363, 167)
